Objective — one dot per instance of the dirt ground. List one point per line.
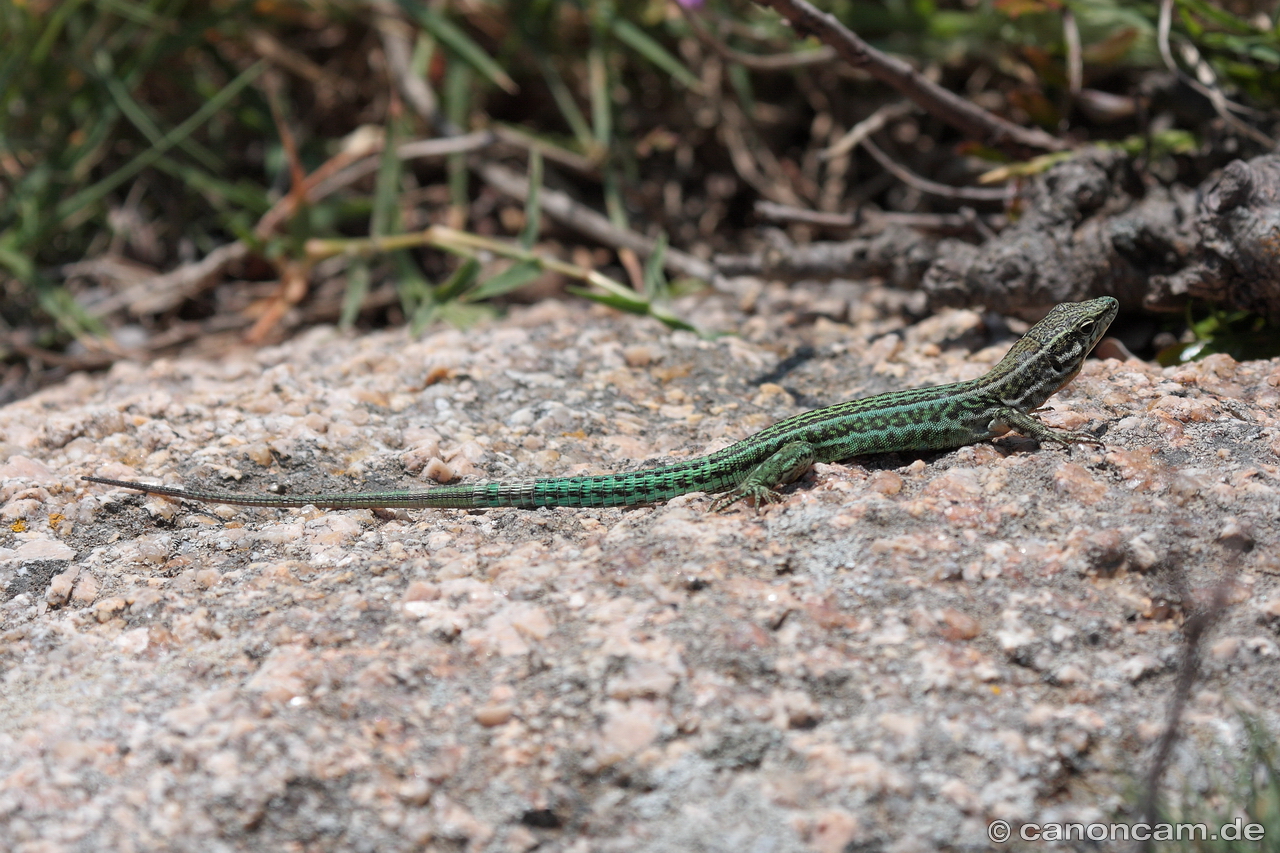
(903, 651)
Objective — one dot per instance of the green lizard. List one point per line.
(939, 418)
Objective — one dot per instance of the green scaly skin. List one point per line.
(939, 418)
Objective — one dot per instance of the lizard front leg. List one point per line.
(761, 483)
(1032, 428)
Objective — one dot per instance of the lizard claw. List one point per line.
(760, 495)
(1066, 438)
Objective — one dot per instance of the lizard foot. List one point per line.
(760, 495)
(1067, 438)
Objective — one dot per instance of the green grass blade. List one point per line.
(136, 12)
(613, 204)
(463, 278)
(222, 195)
(460, 43)
(632, 304)
(564, 100)
(662, 314)
(422, 316)
(645, 45)
(142, 119)
(22, 51)
(626, 300)
(655, 280)
(464, 315)
(95, 193)
(386, 211)
(357, 290)
(532, 212)
(417, 298)
(601, 103)
(59, 304)
(457, 103)
(515, 276)
(740, 78)
(18, 263)
(1221, 17)
(57, 20)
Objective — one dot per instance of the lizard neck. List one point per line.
(1025, 378)
(1049, 355)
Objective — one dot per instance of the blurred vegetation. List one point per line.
(137, 136)
(1211, 330)
(1249, 798)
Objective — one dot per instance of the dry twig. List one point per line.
(777, 62)
(869, 125)
(1225, 108)
(395, 46)
(419, 149)
(925, 185)
(584, 220)
(755, 164)
(162, 293)
(968, 118)
(965, 220)
(1075, 56)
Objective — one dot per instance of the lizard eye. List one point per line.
(1087, 326)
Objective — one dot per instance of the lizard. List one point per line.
(941, 417)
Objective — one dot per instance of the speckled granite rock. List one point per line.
(903, 651)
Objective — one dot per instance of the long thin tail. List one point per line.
(443, 496)
(639, 487)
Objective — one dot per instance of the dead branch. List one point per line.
(1235, 260)
(1088, 228)
(968, 118)
(967, 220)
(898, 254)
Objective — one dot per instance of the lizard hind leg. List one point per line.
(761, 483)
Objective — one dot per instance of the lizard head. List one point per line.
(1052, 351)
